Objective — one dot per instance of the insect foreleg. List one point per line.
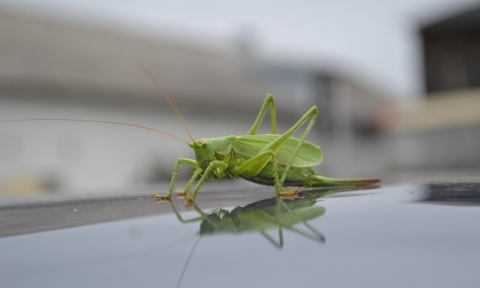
(181, 161)
(269, 101)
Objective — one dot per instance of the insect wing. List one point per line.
(250, 145)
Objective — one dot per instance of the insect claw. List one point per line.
(161, 198)
(188, 199)
(290, 194)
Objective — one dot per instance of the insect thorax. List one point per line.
(208, 150)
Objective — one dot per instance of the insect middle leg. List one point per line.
(220, 166)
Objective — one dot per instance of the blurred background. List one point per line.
(397, 84)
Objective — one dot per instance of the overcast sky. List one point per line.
(377, 38)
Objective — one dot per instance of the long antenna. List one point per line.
(165, 94)
(188, 261)
(100, 121)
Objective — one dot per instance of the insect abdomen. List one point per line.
(270, 182)
(295, 177)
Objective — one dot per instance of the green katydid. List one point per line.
(269, 159)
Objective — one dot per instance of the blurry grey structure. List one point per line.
(451, 50)
(443, 132)
(58, 70)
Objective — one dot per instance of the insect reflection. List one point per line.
(278, 213)
(273, 213)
